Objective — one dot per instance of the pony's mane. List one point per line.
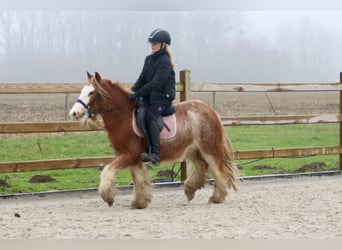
(114, 85)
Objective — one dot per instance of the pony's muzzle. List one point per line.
(75, 115)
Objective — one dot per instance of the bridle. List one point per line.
(91, 113)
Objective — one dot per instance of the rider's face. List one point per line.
(155, 46)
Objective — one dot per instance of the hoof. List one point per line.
(190, 193)
(139, 205)
(215, 200)
(110, 203)
(107, 197)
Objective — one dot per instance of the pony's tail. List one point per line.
(228, 160)
(172, 58)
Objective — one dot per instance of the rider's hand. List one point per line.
(132, 97)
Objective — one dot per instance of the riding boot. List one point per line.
(154, 143)
(145, 156)
(152, 155)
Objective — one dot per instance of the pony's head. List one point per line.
(97, 97)
(87, 103)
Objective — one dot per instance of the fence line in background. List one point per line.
(184, 87)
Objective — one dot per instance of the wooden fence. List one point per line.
(184, 87)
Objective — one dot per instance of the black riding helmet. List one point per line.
(160, 36)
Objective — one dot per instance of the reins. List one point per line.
(91, 112)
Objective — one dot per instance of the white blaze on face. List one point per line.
(77, 111)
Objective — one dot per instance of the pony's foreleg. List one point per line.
(142, 187)
(107, 185)
(197, 178)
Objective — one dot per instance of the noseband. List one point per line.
(91, 113)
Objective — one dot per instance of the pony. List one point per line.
(200, 138)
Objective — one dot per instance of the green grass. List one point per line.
(96, 144)
(55, 147)
(69, 179)
(284, 136)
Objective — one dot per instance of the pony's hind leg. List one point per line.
(220, 174)
(197, 178)
(225, 172)
(142, 187)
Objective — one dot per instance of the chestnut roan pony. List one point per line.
(200, 138)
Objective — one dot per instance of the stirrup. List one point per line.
(155, 160)
(145, 157)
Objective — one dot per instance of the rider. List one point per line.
(156, 85)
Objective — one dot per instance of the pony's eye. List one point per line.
(90, 93)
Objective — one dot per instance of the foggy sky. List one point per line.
(57, 46)
(174, 5)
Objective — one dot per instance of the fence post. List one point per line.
(66, 106)
(185, 79)
(340, 124)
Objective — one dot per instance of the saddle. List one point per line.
(166, 123)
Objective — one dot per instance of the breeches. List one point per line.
(155, 111)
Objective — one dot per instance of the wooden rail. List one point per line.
(185, 87)
(265, 87)
(281, 119)
(54, 164)
(102, 161)
(51, 127)
(53, 88)
(40, 88)
(62, 88)
(40, 127)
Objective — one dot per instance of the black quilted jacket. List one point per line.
(156, 83)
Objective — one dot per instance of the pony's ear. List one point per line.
(98, 77)
(89, 75)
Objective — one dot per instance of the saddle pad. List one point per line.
(164, 134)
